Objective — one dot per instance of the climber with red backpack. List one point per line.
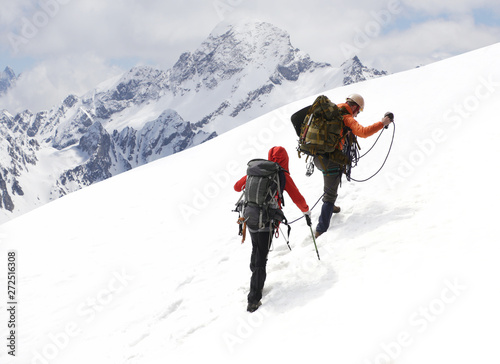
(261, 212)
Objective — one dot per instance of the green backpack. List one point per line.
(320, 129)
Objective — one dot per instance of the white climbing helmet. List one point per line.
(358, 99)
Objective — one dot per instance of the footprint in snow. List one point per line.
(171, 309)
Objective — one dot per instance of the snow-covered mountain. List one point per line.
(147, 267)
(239, 72)
(355, 71)
(7, 80)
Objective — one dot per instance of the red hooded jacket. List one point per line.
(280, 156)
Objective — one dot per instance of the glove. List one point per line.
(308, 218)
(388, 118)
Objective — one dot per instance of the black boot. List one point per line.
(252, 307)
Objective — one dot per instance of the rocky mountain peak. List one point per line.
(8, 73)
(355, 71)
(7, 79)
(237, 49)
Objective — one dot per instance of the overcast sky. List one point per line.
(69, 46)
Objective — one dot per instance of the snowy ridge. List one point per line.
(408, 269)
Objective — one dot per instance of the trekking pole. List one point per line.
(314, 240)
(308, 221)
(287, 240)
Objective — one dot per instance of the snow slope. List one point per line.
(408, 270)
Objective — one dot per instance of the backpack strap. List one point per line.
(281, 184)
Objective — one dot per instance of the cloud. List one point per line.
(147, 30)
(429, 40)
(12, 11)
(434, 8)
(77, 42)
(47, 84)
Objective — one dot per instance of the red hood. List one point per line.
(279, 155)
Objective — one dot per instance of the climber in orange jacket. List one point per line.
(332, 172)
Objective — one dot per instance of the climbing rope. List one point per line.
(349, 178)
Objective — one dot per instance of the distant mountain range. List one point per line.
(238, 73)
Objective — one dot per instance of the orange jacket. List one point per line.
(358, 129)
